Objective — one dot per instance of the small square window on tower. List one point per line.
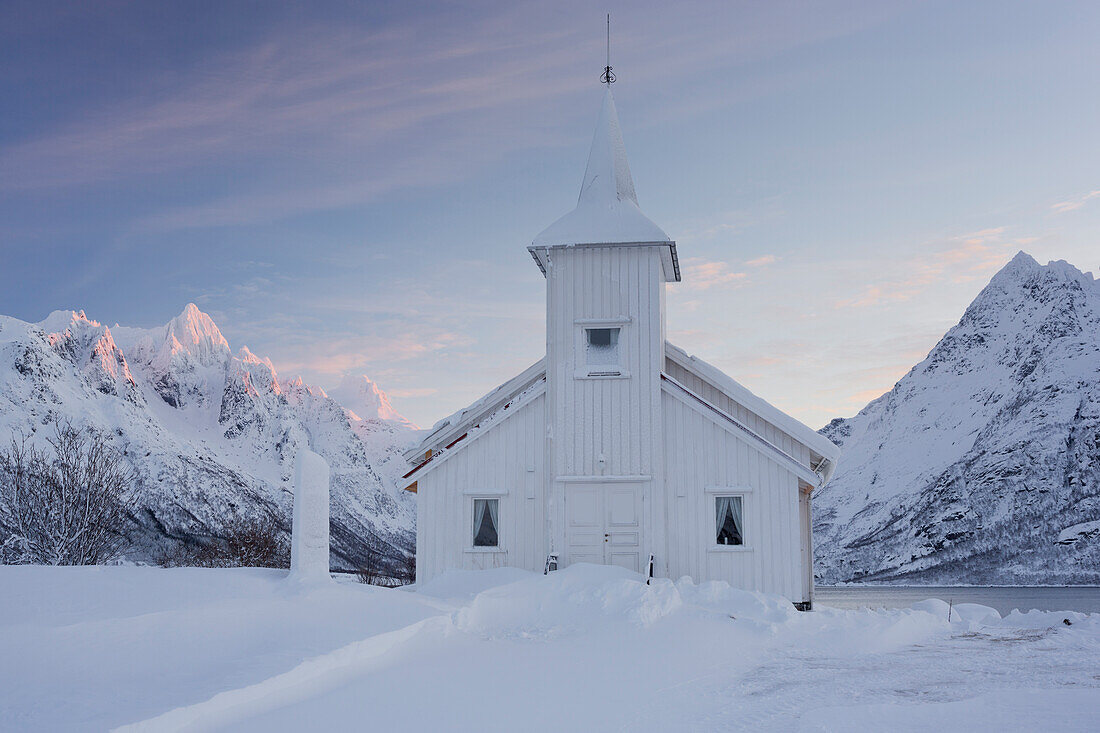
(602, 351)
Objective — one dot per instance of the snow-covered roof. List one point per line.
(804, 434)
(447, 430)
(607, 208)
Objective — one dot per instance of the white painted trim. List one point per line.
(728, 490)
(670, 260)
(485, 551)
(582, 369)
(470, 500)
(485, 493)
(586, 375)
(746, 530)
(602, 479)
(597, 322)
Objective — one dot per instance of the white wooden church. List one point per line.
(618, 447)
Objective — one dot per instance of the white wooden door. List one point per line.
(604, 524)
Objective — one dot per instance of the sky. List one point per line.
(350, 187)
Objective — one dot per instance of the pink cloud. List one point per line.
(762, 261)
(700, 274)
(1063, 206)
(966, 258)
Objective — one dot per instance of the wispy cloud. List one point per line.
(762, 261)
(962, 259)
(1071, 204)
(701, 274)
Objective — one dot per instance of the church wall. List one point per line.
(701, 455)
(505, 461)
(739, 412)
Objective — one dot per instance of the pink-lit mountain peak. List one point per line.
(196, 333)
(358, 394)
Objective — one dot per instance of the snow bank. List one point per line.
(969, 613)
(583, 597)
(585, 648)
(463, 585)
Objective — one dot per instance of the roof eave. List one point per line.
(670, 260)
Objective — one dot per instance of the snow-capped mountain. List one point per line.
(982, 464)
(212, 434)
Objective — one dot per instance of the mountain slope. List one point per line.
(212, 434)
(982, 463)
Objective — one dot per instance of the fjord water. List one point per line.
(1084, 599)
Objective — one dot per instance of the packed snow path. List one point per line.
(587, 648)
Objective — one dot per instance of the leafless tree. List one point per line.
(63, 505)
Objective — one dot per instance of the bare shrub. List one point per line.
(376, 569)
(252, 543)
(63, 505)
(256, 543)
(369, 571)
(406, 569)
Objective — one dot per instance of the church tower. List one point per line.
(606, 265)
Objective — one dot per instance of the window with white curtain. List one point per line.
(729, 523)
(486, 522)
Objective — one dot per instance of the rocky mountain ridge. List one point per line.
(982, 464)
(212, 434)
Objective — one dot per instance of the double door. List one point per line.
(604, 523)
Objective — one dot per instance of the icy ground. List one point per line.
(587, 648)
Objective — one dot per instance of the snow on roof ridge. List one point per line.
(451, 425)
(794, 427)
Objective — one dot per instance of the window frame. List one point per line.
(583, 369)
(720, 492)
(471, 529)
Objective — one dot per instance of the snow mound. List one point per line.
(464, 585)
(582, 597)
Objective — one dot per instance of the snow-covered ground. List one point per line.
(586, 648)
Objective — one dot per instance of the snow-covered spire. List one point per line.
(607, 175)
(607, 209)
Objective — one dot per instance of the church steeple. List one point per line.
(607, 208)
(607, 176)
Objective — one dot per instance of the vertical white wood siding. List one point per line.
(739, 412)
(507, 460)
(619, 418)
(700, 454)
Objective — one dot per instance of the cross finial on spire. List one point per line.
(608, 77)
